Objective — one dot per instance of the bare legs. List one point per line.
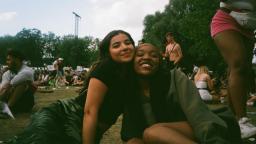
(12, 94)
(167, 133)
(135, 141)
(238, 55)
(17, 92)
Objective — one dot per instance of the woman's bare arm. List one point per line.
(95, 96)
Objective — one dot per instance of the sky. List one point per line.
(98, 17)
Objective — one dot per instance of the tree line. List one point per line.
(42, 49)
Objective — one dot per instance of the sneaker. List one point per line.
(247, 129)
(5, 111)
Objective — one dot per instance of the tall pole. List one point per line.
(77, 17)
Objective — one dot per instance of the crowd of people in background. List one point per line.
(46, 77)
(70, 77)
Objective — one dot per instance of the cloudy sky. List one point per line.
(98, 16)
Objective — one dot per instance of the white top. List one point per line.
(24, 74)
(254, 55)
(203, 91)
(55, 65)
(201, 84)
(240, 4)
(254, 60)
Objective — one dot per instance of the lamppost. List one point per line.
(77, 17)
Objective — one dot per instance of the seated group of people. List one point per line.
(43, 78)
(70, 78)
(78, 79)
(158, 105)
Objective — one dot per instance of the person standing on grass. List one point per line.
(232, 30)
(58, 71)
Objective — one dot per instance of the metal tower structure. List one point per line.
(77, 17)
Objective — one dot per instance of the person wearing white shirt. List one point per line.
(16, 88)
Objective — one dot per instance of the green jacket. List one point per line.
(210, 127)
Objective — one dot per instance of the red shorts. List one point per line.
(223, 21)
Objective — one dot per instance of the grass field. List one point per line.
(9, 128)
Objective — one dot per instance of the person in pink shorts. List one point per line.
(233, 37)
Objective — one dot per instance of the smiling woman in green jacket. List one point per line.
(166, 107)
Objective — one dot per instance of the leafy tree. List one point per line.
(75, 51)
(50, 44)
(42, 49)
(29, 42)
(189, 20)
(6, 42)
(92, 52)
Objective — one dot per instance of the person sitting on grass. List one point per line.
(204, 83)
(17, 89)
